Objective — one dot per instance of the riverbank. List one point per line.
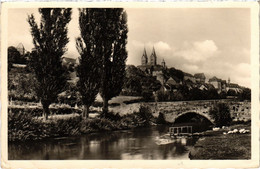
(216, 145)
(23, 126)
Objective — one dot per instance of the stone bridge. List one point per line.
(173, 110)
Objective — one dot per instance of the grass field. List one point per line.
(220, 146)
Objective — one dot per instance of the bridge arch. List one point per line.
(203, 114)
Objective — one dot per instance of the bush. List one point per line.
(38, 111)
(221, 114)
(161, 119)
(147, 95)
(145, 114)
(23, 125)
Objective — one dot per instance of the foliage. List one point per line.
(132, 82)
(161, 119)
(231, 92)
(36, 112)
(147, 95)
(70, 96)
(21, 85)
(22, 125)
(137, 83)
(49, 39)
(221, 113)
(245, 94)
(90, 62)
(150, 83)
(111, 40)
(212, 94)
(145, 114)
(176, 73)
(14, 56)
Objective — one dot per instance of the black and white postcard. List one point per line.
(130, 85)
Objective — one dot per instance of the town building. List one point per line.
(200, 77)
(189, 77)
(218, 84)
(233, 86)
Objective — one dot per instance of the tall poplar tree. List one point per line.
(88, 46)
(105, 39)
(49, 39)
(114, 36)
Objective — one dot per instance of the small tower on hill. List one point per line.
(21, 49)
(144, 58)
(153, 58)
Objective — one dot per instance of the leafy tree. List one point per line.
(231, 92)
(176, 73)
(132, 82)
(49, 39)
(223, 95)
(161, 119)
(13, 56)
(111, 24)
(212, 94)
(245, 94)
(195, 94)
(184, 90)
(89, 67)
(221, 113)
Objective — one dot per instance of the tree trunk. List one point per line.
(85, 112)
(105, 106)
(46, 111)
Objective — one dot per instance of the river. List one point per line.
(139, 143)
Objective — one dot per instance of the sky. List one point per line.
(213, 41)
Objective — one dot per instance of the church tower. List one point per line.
(163, 63)
(153, 58)
(144, 58)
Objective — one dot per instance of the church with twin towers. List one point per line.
(151, 67)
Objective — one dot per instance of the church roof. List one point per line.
(214, 79)
(233, 85)
(171, 81)
(144, 54)
(153, 52)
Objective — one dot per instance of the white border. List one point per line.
(253, 163)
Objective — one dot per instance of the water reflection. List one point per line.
(125, 145)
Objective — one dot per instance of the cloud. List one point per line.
(243, 69)
(190, 68)
(198, 51)
(135, 50)
(162, 46)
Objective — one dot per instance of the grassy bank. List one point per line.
(216, 145)
(24, 126)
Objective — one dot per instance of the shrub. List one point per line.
(161, 119)
(221, 114)
(38, 111)
(147, 95)
(23, 125)
(145, 114)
